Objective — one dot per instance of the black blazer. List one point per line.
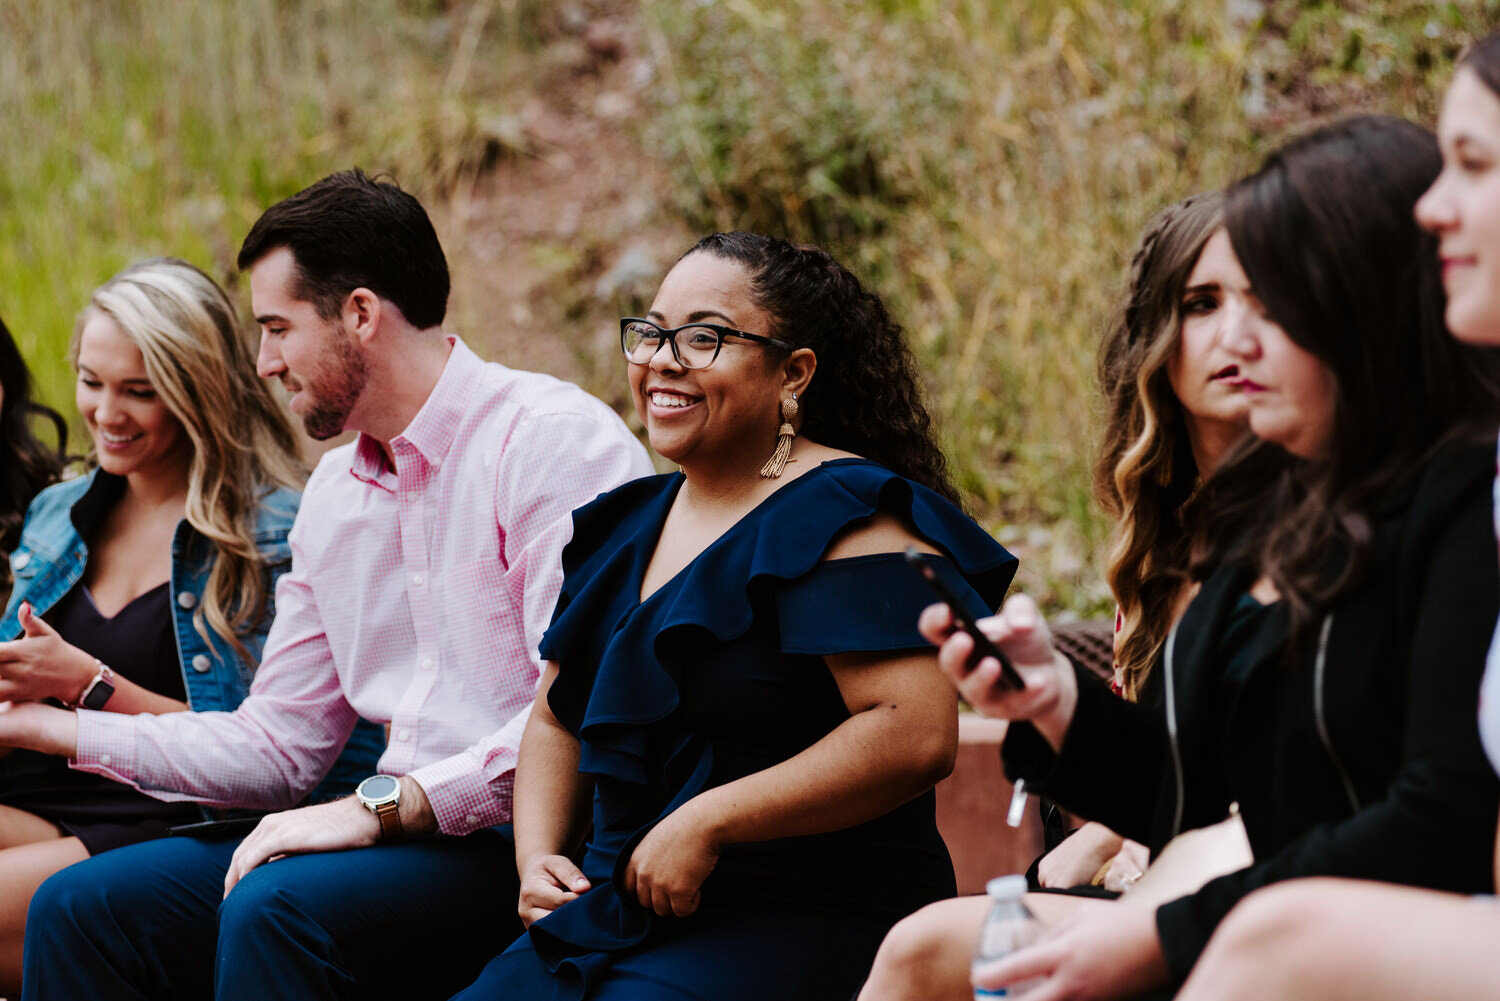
(1399, 790)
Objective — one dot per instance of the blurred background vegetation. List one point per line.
(984, 165)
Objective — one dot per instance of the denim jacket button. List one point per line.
(20, 560)
(187, 599)
(202, 664)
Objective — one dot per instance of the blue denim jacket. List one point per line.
(50, 560)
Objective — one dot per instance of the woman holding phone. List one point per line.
(1173, 410)
(1324, 675)
(1340, 940)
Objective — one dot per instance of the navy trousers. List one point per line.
(410, 921)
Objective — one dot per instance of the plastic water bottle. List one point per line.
(1008, 926)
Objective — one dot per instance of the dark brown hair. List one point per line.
(1326, 235)
(26, 463)
(1484, 60)
(1145, 474)
(350, 231)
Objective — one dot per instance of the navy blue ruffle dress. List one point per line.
(716, 675)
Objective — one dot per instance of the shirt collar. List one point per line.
(432, 431)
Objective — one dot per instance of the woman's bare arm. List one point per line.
(551, 809)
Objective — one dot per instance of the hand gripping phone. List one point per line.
(1009, 680)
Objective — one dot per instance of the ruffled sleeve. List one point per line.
(760, 592)
(613, 537)
(865, 604)
(614, 676)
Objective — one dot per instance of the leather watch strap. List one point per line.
(389, 815)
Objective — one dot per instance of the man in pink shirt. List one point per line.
(426, 563)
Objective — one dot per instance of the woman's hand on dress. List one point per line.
(1102, 950)
(42, 665)
(667, 870)
(548, 882)
(1051, 691)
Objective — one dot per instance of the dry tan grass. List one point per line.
(984, 164)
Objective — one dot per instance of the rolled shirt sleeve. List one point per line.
(555, 463)
(422, 580)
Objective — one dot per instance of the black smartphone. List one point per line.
(983, 646)
(233, 828)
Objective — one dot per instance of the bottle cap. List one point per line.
(1006, 887)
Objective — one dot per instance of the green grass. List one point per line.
(984, 165)
(988, 166)
(134, 129)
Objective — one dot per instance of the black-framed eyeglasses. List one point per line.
(694, 345)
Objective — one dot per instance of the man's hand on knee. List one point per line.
(327, 827)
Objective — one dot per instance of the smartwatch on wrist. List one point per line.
(99, 690)
(381, 795)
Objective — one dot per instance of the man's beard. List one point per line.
(332, 404)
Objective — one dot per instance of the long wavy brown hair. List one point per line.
(201, 363)
(1145, 474)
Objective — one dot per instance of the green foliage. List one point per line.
(135, 129)
(987, 166)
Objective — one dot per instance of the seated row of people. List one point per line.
(690, 725)
(1325, 675)
(145, 586)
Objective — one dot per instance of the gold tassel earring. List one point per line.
(777, 462)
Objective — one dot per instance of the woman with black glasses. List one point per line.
(737, 698)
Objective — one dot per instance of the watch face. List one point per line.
(378, 787)
(99, 693)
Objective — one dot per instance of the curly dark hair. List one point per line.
(866, 396)
(27, 463)
(1326, 235)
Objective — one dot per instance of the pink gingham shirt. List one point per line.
(417, 597)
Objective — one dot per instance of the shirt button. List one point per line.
(105, 759)
(187, 599)
(403, 734)
(202, 664)
(20, 560)
(471, 820)
(426, 663)
(419, 579)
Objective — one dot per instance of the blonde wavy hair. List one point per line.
(1145, 475)
(203, 367)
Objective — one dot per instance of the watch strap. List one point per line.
(389, 815)
(100, 690)
(386, 807)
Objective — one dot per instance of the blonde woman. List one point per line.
(145, 585)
